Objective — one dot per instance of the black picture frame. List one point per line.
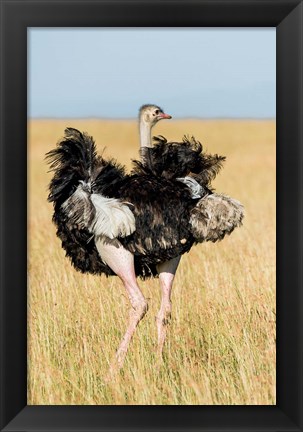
(16, 16)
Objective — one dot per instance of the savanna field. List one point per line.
(220, 347)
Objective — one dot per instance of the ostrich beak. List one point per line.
(164, 116)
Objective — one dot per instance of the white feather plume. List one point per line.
(195, 188)
(100, 215)
(113, 218)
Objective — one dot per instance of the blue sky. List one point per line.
(190, 72)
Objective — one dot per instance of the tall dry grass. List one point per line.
(221, 343)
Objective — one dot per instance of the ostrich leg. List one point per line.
(121, 262)
(167, 271)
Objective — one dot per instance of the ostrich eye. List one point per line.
(157, 112)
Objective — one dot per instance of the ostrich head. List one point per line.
(149, 115)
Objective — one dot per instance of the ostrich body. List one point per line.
(138, 224)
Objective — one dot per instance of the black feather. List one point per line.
(173, 159)
(168, 220)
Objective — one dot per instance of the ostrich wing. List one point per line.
(214, 216)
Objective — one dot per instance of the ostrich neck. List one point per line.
(145, 135)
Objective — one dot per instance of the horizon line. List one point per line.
(136, 118)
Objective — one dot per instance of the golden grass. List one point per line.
(221, 343)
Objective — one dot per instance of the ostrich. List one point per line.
(137, 224)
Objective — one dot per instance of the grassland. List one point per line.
(221, 342)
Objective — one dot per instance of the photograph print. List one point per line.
(151, 216)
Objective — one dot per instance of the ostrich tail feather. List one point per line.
(214, 216)
(79, 209)
(73, 160)
(81, 179)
